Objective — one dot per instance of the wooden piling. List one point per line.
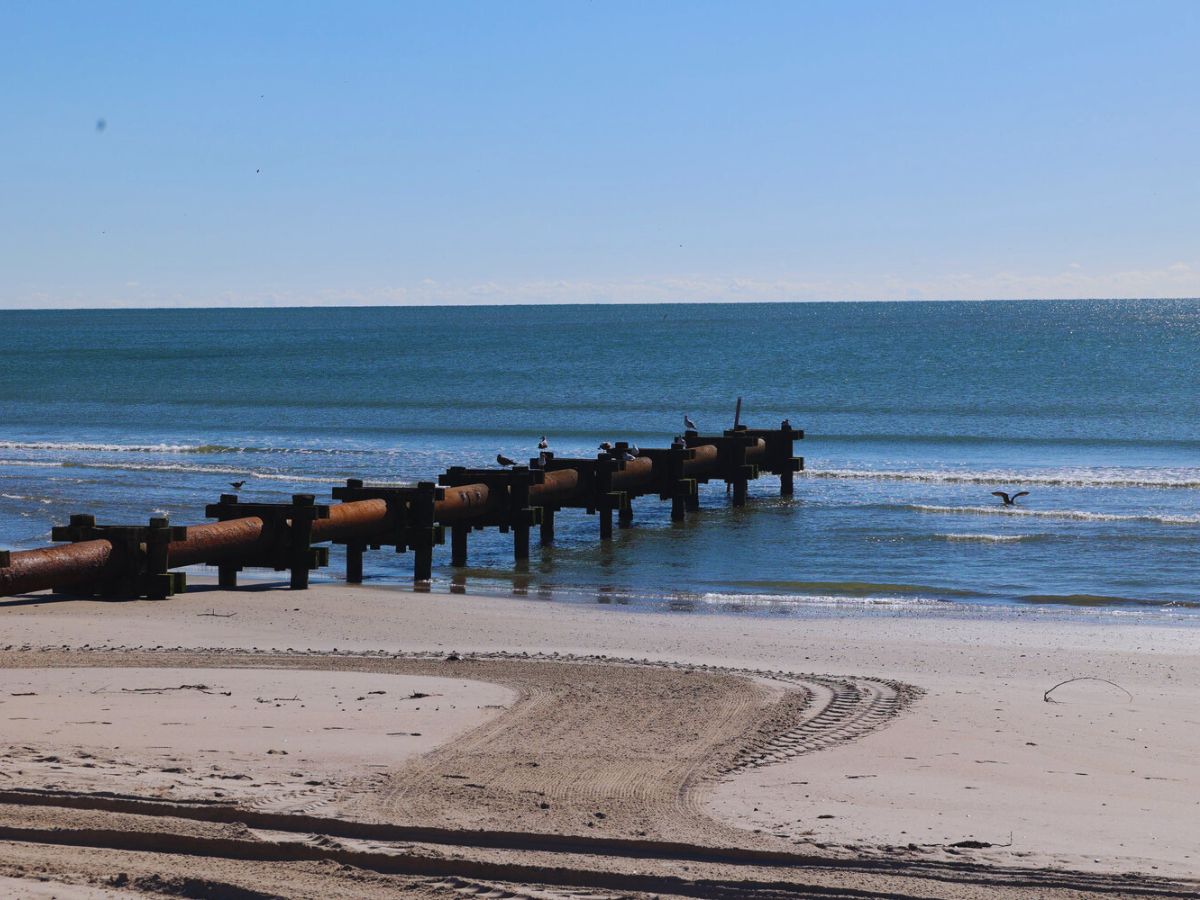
(458, 544)
(354, 562)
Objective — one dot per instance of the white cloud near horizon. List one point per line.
(1179, 280)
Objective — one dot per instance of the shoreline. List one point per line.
(1089, 783)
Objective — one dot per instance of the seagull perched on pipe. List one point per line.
(628, 457)
(236, 485)
(543, 444)
(1010, 501)
(605, 446)
(688, 424)
(504, 460)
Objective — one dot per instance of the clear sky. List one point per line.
(161, 154)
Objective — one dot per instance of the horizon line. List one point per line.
(555, 303)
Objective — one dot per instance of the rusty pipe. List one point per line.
(558, 485)
(757, 449)
(47, 567)
(637, 471)
(219, 542)
(358, 520)
(705, 460)
(467, 501)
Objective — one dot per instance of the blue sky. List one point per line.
(393, 153)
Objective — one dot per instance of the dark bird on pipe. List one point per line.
(688, 423)
(786, 425)
(543, 444)
(236, 485)
(504, 460)
(1010, 501)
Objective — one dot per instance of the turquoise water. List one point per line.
(914, 412)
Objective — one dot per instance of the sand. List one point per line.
(864, 747)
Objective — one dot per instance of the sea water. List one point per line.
(914, 414)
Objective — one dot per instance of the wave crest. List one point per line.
(1082, 515)
(1189, 479)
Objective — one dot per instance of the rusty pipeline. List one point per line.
(704, 460)
(48, 567)
(249, 537)
(637, 471)
(464, 502)
(558, 485)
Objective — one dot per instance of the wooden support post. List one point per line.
(739, 490)
(458, 544)
(786, 485)
(354, 563)
(625, 516)
(605, 465)
(547, 526)
(519, 511)
(300, 539)
(679, 498)
(227, 575)
(158, 581)
(693, 500)
(423, 537)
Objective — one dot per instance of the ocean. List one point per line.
(914, 413)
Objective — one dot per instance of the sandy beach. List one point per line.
(364, 741)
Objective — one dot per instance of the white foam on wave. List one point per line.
(765, 600)
(1079, 514)
(110, 448)
(201, 470)
(1167, 478)
(194, 449)
(988, 538)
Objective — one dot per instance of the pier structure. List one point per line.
(135, 561)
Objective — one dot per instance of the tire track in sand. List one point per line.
(591, 746)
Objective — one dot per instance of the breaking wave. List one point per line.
(1078, 514)
(991, 538)
(1188, 478)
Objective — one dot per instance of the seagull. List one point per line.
(1009, 501)
(678, 442)
(635, 451)
(236, 485)
(688, 423)
(605, 445)
(627, 456)
(543, 444)
(785, 425)
(504, 460)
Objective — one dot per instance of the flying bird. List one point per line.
(688, 423)
(1010, 501)
(543, 444)
(504, 460)
(236, 485)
